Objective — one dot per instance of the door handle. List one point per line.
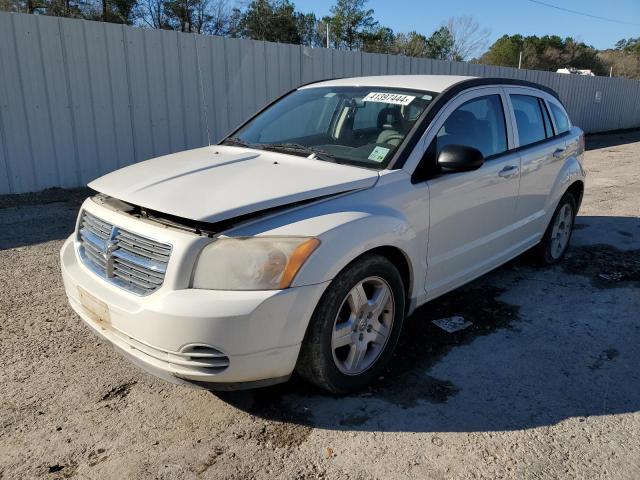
(558, 152)
(509, 171)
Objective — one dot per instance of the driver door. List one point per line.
(472, 213)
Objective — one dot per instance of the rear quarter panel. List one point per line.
(572, 170)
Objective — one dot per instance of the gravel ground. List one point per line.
(545, 384)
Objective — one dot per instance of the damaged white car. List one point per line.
(303, 240)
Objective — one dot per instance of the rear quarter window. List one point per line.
(561, 119)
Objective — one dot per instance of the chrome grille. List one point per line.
(124, 258)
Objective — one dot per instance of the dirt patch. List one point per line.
(211, 460)
(280, 424)
(284, 434)
(605, 265)
(606, 356)
(118, 392)
(59, 470)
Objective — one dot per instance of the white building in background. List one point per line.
(576, 71)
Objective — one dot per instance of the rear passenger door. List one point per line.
(471, 213)
(542, 151)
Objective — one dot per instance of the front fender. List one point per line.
(355, 234)
(393, 214)
(344, 235)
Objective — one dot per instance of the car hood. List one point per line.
(220, 182)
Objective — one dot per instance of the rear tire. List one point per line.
(556, 239)
(355, 326)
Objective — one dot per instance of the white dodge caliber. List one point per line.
(303, 240)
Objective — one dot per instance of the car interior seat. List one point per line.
(390, 126)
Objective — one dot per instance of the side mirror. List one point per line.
(460, 158)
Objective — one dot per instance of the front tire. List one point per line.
(556, 239)
(355, 326)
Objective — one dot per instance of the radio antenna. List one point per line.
(204, 99)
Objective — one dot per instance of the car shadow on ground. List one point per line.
(546, 345)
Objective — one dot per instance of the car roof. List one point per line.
(431, 83)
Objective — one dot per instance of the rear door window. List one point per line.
(561, 119)
(529, 120)
(478, 123)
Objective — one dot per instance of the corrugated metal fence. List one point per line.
(79, 99)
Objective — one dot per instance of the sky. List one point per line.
(507, 16)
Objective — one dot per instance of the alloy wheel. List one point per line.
(362, 326)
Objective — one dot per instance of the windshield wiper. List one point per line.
(299, 148)
(283, 147)
(239, 142)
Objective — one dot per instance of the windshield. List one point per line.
(362, 126)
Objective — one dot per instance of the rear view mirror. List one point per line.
(460, 158)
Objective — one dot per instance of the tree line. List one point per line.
(351, 25)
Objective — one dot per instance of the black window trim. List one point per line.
(555, 136)
(440, 102)
(443, 99)
(546, 118)
(541, 142)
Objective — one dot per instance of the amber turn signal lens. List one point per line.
(297, 259)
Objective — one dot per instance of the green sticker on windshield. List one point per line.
(378, 154)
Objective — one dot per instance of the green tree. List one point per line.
(412, 44)
(504, 52)
(628, 45)
(380, 40)
(350, 23)
(270, 21)
(440, 44)
(549, 52)
(187, 15)
(307, 26)
(115, 11)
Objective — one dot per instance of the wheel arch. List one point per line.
(577, 190)
(399, 258)
(401, 261)
(569, 178)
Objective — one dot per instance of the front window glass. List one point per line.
(478, 123)
(361, 126)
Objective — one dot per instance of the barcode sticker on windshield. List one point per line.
(393, 98)
(378, 154)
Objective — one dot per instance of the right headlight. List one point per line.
(252, 263)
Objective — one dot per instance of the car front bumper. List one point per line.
(259, 333)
